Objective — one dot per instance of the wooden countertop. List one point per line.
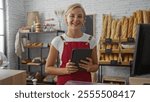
(15, 77)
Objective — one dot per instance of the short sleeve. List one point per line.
(55, 42)
(92, 42)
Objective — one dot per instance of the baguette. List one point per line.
(108, 46)
(130, 27)
(145, 17)
(104, 26)
(139, 17)
(113, 28)
(126, 58)
(114, 46)
(130, 58)
(107, 58)
(111, 57)
(109, 26)
(118, 29)
(125, 28)
(134, 28)
(115, 57)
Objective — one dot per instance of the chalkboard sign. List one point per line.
(89, 26)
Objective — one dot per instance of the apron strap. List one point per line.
(90, 38)
(62, 38)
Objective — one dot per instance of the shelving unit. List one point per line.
(39, 61)
(112, 50)
(114, 56)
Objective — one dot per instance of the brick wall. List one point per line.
(15, 19)
(117, 8)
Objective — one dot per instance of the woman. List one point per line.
(62, 46)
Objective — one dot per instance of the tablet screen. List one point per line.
(80, 54)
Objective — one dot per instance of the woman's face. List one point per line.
(75, 19)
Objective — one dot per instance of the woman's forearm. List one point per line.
(55, 71)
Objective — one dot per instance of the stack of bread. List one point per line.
(121, 29)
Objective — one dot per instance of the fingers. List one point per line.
(71, 68)
(86, 64)
(87, 61)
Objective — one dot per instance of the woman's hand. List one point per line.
(86, 64)
(71, 68)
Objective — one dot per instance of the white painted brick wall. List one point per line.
(15, 19)
(117, 8)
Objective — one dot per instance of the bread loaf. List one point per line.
(113, 28)
(108, 46)
(111, 57)
(145, 17)
(139, 17)
(109, 26)
(102, 58)
(130, 27)
(118, 29)
(134, 28)
(115, 57)
(104, 26)
(125, 28)
(130, 58)
(114, 46)
(107, 58)
(126, 58)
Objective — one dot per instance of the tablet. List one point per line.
(80, 54)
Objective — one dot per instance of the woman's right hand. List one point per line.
(71, 68)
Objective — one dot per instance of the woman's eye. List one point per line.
(71, 16)
(79, 16)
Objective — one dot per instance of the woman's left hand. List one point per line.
(86, 64)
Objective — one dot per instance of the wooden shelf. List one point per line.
(127, 50)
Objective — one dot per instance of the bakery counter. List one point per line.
(12, 77)
(140, 80)
(72, 82)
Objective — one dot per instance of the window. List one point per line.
(2, 34)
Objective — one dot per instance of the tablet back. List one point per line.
(80, 54)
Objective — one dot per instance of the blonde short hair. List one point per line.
(73, 6)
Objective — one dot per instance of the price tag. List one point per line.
(108, 51)
(108, 40)
(131, 40)
(114, 62)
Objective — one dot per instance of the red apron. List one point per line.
(66, 55)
